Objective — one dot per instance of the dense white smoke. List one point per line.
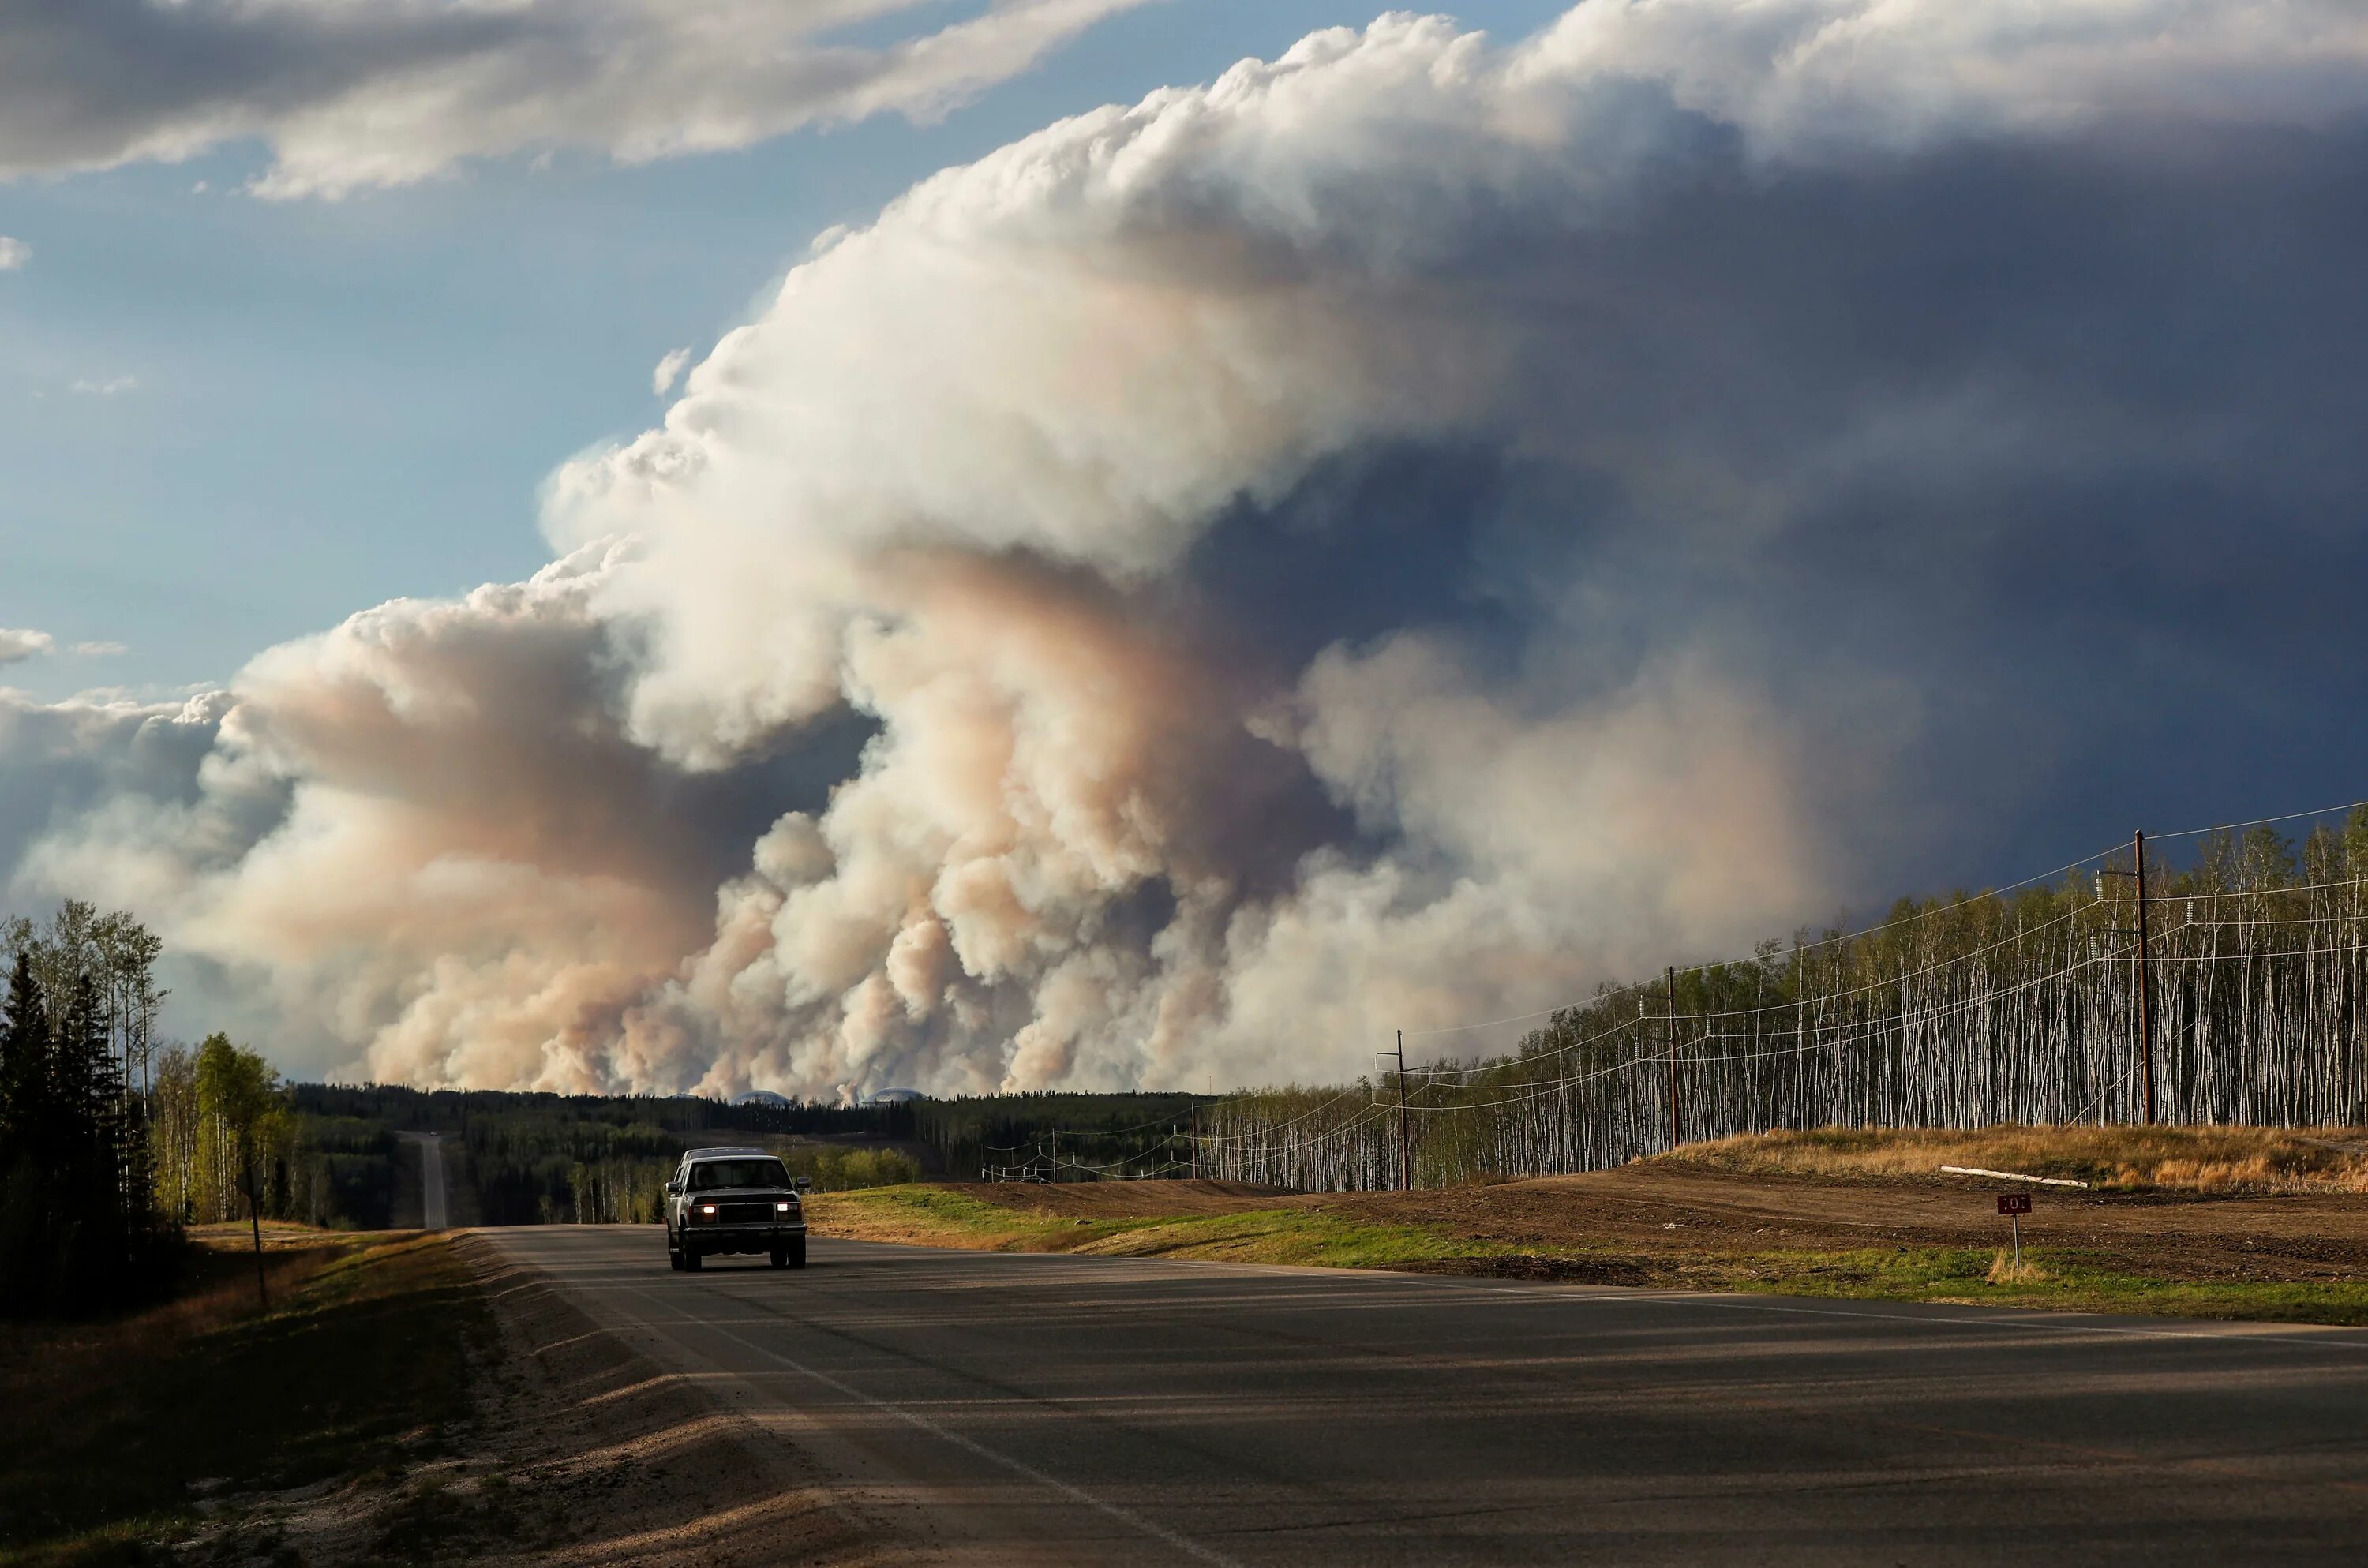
(1004, 668)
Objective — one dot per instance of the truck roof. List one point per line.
(722, 1153)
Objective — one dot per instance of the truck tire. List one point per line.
(796, 1253)
(692, 1261)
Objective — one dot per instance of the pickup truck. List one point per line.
(735, 1200)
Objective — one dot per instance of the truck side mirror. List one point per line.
(804, 1184)
(674, 1189)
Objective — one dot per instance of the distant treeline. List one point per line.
(532, 1159)
(1084, 1137)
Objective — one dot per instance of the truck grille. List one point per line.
(744, 1213)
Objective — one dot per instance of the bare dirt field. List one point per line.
(1662, 1209)
(1674, 1210)
(2211, 1221)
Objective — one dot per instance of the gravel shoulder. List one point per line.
(582, 1453)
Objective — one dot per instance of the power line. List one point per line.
(1761, 955)
(2259, 821)
(1921, 915)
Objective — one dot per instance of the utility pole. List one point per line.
(1671, 1024)
(2146, 1020)
(2145, 1024)
(1406, 1147)
(1194, 1108)
(1056, 1156)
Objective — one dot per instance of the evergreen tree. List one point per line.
(27, 1125)
(86, 1180)
(24, 1060)
(78, 1226)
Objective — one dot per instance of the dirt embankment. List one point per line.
(582, 1454)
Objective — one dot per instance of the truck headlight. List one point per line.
(708, 1209)
(784, 1207)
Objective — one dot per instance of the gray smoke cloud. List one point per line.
(359, 94)
(1387, 539)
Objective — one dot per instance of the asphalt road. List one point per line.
(1054, 1410)
(430, 1147)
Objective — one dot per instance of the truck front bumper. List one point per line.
(711, 1239)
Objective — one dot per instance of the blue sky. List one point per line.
(334, 402)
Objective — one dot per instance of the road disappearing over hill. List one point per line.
(1057, 1410)
(429, 1149)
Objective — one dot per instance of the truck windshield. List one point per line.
(710, 1175)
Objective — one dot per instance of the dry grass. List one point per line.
(2169, 1159)
(217, 1289)
(119, 1426)
(2005, 1270)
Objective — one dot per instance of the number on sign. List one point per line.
(2014, 1203)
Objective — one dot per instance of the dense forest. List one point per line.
(528, 1159)
(2246, 1001)
(80, 1228)
(523, 1159)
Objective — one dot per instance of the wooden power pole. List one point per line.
(2146, 1022)
(1670, 1023)
(1406, 1147)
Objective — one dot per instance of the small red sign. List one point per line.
(2014, 1203)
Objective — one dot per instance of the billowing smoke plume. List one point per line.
(1385, 540)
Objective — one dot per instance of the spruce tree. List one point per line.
(87, 1180)
(24, 1062)
(28, 1130)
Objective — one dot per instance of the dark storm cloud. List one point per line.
(2052, 446)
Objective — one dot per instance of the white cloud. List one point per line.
(16, 647)
(373, 93)
(14, 254)
(107, 386)
(669, 370)
(97, 649)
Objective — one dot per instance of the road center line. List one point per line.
(1126, 1516)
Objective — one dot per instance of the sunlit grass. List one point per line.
(937, 1216)
(2058, 1279)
